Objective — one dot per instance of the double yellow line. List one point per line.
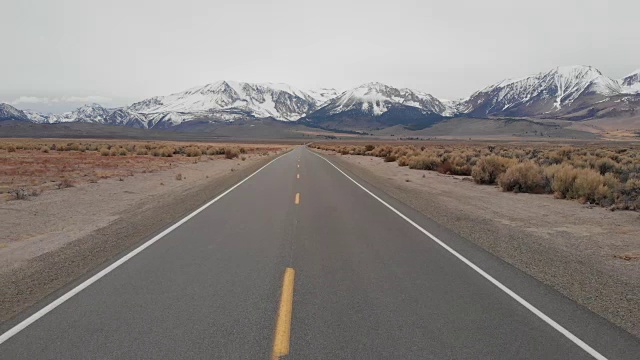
(282, 336)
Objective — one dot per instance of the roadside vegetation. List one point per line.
(605, 175)
(30, 166)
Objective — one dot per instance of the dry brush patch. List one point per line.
(29, 166)
(599, 174)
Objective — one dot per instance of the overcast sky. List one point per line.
(58, 54)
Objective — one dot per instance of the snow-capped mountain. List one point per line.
(8, 112)
(557, 91)
(376, 104)
(322, 95)
(630, 84)
(376, 99)
(90, 113)
(227, 100)
(124, 117)
(570, 92)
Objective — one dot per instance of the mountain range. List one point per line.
(565, 93)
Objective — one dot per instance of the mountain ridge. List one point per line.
(567, 92)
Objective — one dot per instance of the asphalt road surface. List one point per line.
(301, 262)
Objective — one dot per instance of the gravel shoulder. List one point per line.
(579, 251)
(53, 239)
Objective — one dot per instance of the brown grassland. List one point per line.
(30, 166)
(599, 174)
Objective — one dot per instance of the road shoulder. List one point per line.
(557, 242)
(27, 280)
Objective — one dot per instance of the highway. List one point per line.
(303, 260)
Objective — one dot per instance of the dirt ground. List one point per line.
(590, 254)
(51, 239)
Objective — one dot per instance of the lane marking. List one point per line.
(298, 165)
(297, 200)
(502, 287)
(31, 319)
(297, 176)
(282, 333)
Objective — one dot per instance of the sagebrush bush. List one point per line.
(524, 177)
(193, 152)
(230, 153)
(487, 169)
(587, 186)
(562, 178)
(605, 175)
(423, 162)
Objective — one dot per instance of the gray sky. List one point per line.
(118, 51)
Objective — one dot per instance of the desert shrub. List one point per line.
(243, 158)
(179, 176)
(104, 151)
(369, 147)
(167, 151)
(588, 186)
(122, 152)
(605, 165)
(230, 153)
(627, 196)
(390, 158)
(193, 152)
(215, 151)
(243, 150)
(65, 183)
(45, 149)
(424, 162)
(19, 194)
(10, 148)
(142, 151)
(562, 178)
(403, 161)
(524, 177)
(487, 169)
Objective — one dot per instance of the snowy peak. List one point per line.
(631, 83)
(8, 112)
(322, 95)
(280, 101)
(546, 92)
(376, 99)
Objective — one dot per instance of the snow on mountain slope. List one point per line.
(630, 84)
(545, 92)
(8, 112)
(280, 101)
(375, 99)
(124, 117)
(322, 95)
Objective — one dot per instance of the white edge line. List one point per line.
(31, 319)
(502, 287)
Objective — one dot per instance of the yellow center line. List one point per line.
(283, 320)
(297, 200)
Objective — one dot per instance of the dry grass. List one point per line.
(606, 175)
(29, 166)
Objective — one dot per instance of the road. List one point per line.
(366, 278)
